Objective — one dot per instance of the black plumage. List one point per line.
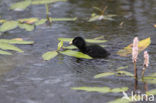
(93, 50)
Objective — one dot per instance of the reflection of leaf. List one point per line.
(104, 74)
(75, 54)
(38, 2)
(125, 73)
(143, 44)
(6, 46)
(27, 27)
(93, 89)
(49, 55)
(28, 20)
(5, 52)
(8, 25)
(19, 6)
(88, 40)
(16, 41)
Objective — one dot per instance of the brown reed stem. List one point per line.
(135, 76)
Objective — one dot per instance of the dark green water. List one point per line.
(26, 78)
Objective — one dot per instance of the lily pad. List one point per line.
(143, 44)
(8, 25)
(75, 54)
(49, 55)
(104, 74)
(88, 40)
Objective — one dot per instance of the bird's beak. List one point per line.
(70, 42)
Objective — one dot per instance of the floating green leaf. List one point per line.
(151, 81)
(28, 20)
(63, 19)
(69, 47)
(60, 45)
(40, 22)
(143, 44)
(75, 54)
(5, 52)
(88, 40)
(8, 25)
(49, 55)
(38, 2)
(74, 47)
(151, 92)
(6, 46)
(125, 73)
(27, 27)
(93, 89)
(123, 67)
(15, 41)
(116, 90)
(104, 74)
(19, 6)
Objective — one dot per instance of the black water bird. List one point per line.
(93, 50)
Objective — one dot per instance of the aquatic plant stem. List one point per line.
(135, 76)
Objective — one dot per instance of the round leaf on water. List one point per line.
(104, 74)
(75, 54)
(8, 25)
(93, 89)
(5, 52)
(49, 55)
